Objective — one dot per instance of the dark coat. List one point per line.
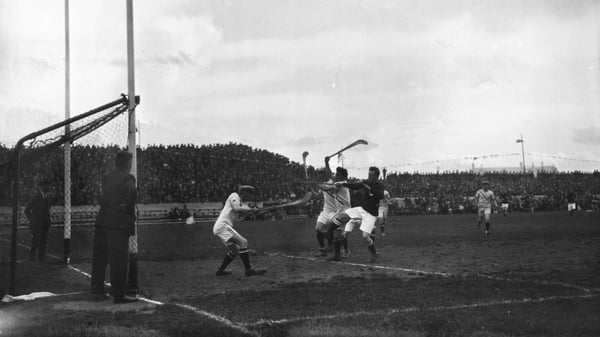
(38, 212)
(117, 202)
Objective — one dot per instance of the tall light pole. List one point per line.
(520, 140)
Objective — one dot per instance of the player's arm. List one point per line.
(328, 186)
(493, 200)
(377, 190)
(327, 165)
(237, 206)
(354, 185)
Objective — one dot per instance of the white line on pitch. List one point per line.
(423, 272)
(223, 320)
(228, 323)
(562, 284)
(375, 266)
(263, 322)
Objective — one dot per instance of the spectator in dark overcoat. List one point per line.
(37, 212)
(115, 223)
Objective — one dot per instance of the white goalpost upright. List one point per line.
(132, 283)
(67, 173)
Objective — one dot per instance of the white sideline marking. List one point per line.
(423, 272)
(375, 266)
(228, 323)
(566, 285)
(263, 322)
(217, 318)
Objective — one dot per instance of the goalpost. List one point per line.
(37, 156)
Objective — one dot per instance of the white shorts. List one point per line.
(383, 211)
(326, 216)
(572, 206)
(226, 232)
(485, 210)
(359, 216)
(504, 206)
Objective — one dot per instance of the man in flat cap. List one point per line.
(37, 212)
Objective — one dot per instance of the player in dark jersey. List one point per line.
(365, 214)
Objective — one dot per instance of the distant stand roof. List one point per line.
(516, 169)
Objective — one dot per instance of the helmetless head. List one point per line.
(123, 161)
(246, 192)
(373, 173)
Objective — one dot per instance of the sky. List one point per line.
(431, 85)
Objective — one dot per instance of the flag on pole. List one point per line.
(519, 140)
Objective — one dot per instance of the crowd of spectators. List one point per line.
(166, 174)
(451, 192)
(208, 173)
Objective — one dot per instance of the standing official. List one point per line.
(115, 223)
(37, 212)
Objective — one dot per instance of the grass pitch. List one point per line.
(537, 275)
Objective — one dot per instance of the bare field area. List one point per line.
(537, 275)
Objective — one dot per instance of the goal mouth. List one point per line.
(28, 163)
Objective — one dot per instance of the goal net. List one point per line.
(62, 156)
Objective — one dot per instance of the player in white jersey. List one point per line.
(485, 200)
(335, 199)
(223, 228)
(383, 211)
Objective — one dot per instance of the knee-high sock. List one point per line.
(245, 258)
(337, 245)
(321, 239)
(226, 261)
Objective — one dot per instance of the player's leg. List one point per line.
(99, 262)
(347, 229)
(321, 230)
(225, 233)
(35, 239)
(487, 213)
(338, 223)
(480, 215)
(43, 240)
(245, 255)
(367, 227)
(118, 259)
(381, 219)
